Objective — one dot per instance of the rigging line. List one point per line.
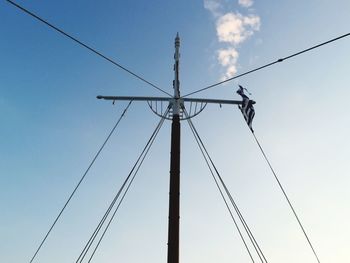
(270, 64)
(244, 223)
(127, 189)
(242, 219)
(80, 181)
(287, 198)
(221, 193)
(86, 46)
(132, 179)
(99, 226)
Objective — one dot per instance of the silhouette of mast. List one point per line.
(174, 192)
(176, 106)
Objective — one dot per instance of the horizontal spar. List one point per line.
(198, 100)
(134, 98)
(216, 101)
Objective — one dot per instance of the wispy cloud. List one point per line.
(228, 58)
(214, 6)
(235, 28)
(246, 3)
(232, 30)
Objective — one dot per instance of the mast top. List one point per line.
(176, 102)
(176, 105)
(177, 40)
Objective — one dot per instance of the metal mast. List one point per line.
(174, 192)
(176, 105)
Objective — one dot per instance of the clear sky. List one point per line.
(52, 125)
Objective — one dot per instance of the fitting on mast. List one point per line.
(176, 107)
(158, 105)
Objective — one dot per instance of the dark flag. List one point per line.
(247, 107)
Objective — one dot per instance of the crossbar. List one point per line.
(199, 100)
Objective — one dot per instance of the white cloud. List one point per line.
(230, 72)
(228, 58)
(253, 21)
(245, 3)
(232, 29)
(236, 28)
(214, 6)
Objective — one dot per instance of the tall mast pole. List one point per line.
(174, 192)
(176, 103)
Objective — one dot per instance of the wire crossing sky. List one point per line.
(86, 46)
(137, 76)
(269, 64)
(52, 124)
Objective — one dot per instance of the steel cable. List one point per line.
(103, 219)
(269, 64)
(286, 196)
(86, 46)
(206, 156)
(80, 181)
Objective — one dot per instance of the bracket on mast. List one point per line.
(157, 108)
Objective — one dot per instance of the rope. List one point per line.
(86, 46)
(287, 198)
(269, 64)
(245, 225)
(80, 181)
(102, 221)
(223, 197)
(282, 188)
(132, 179)
(247, 228)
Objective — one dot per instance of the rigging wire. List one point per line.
(224, 199)
(86, 46)
(286, 196)
(98, 228)
(245, 225)
(137, 164)
(270, 64)
(247, 228)
(132, 179)
(80, 181)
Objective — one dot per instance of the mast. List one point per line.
(175, 114)
(174, 192)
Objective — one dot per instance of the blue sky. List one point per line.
(52, 125)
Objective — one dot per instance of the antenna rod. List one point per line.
(174, 192)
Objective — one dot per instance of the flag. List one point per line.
(247, 107)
